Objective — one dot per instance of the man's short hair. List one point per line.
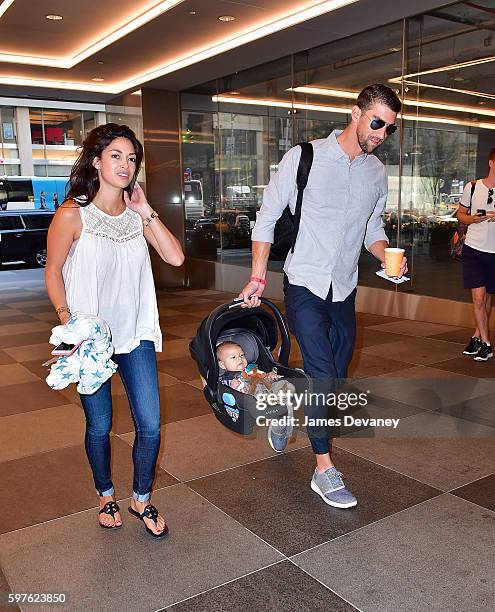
(491, 155)
(378, 93)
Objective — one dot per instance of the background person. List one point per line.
(478, 257)
(342, 207)
(98, 263)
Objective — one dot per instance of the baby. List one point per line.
(248, 379)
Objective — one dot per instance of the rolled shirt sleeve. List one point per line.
(281, 191)
(375, 227)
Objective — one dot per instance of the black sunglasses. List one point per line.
(490, 196)
(377, 124)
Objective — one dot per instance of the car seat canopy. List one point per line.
(245, 340)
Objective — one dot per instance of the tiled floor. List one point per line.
(246, 531)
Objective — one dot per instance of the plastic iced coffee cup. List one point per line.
(393, 260)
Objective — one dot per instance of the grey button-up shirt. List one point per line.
(342, 208)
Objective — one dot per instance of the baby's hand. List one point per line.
(235, 383)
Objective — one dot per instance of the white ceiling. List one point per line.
(129, 43)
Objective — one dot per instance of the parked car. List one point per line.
(23, 236)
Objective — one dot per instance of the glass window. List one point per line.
(8, 125)
(37, 221)
(36, 122)
(20, 190)
(62, 127)
(10, 222)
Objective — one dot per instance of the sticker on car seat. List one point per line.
(233, 413)
(229, 399)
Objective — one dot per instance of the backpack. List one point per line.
(287, 227)
(457, 240)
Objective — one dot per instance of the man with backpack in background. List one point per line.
(477, 211)
(344, 200)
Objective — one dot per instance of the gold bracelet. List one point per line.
(148, 220)
(61, 309)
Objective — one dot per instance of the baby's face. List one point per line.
(232, 359)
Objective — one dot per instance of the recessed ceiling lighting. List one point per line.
(54, 17)
(98, 79)
(100, 63)
(192, 12)
(226, 18)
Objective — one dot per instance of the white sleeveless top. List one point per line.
(107, 273)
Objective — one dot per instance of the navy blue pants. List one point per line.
(325, 332)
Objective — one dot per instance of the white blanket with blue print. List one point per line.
(90, 365)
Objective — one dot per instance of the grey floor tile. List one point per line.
(4, 589)
(16, 340)
(58, 483)
(15, 373)
(107, 571)
(364, 365)
(369, 336)
(273, 498)
(428, 388)
(431, 557)
(183, 368)
(5, 358)
(441, 463)
(367, 319)
(182, 440)
(173, 349)
(481, 492)
(278, 587)
(461, 336)
(469, 367)
(417, 328)
(177, 401)
(29, 396)
(26, 327)
(29, 433)
(418, 351)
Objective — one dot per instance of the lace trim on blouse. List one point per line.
(122, 228)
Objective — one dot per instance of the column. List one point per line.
(23, 129)
(162, 152)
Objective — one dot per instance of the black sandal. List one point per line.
(150, 512)
(110, 508)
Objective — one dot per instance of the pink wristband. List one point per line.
(256, 279)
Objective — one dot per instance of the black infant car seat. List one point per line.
(257, 331)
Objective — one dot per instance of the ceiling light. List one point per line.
(468, 64)
(226, 18)
(194, 56)
(5, 5)
(338, 93)
(467, 92)
(192, 12)
(98, 79)
(100, 63)
(92, 46)
(345, 111)
(54, 17)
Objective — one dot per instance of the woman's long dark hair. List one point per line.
(83, 181)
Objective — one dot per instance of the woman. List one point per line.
(98, 263)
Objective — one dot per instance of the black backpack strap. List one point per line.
(473, 187)
(303, 170)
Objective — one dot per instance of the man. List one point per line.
(342, 207)
(478, 256)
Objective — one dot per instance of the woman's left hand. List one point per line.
(137, 202)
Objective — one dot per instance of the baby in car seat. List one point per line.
(247, 378)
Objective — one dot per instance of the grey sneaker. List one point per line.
(331, 488)
(279, 435)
